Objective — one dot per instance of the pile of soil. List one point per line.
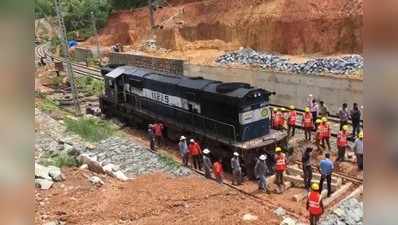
(151, 199)
(282, 26)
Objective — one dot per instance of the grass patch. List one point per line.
(90, 129)
(170, 162)
(60, 160)
(47, 105)
(90, 85)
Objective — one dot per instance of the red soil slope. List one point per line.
(283, 26)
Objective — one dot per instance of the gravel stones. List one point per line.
(341, 65)
(45, 176)
(349, 212)
(131, 158)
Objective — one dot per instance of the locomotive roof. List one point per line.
(199, 84)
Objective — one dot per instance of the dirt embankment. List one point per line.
(283, 26)
(151, 199)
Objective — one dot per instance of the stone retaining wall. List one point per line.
(289, 88)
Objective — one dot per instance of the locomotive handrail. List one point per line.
(194, 115)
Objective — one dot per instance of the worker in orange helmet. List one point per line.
(307, 123)
(280, 167)
(291, 121)
(342, 143)
(325, 132)
(274, 121)
(314, 204)
(278, 119)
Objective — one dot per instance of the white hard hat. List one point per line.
(263, 157)
(182, 138)
(236, 154)
(206, 151)
(192, 140)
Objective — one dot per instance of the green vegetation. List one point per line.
(170, 162)
(90, 85)
(90, 129)
(77, 15)
(128, 4)
(59, 160)
(47, 105)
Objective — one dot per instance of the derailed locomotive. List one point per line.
(225, 117)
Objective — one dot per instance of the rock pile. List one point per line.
(341, 65)
(349, 212)
(46, 176)
(131, 159)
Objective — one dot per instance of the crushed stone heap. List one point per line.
(341, 65)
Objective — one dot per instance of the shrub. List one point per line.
(90, 129)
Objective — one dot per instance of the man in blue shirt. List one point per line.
(326, 169)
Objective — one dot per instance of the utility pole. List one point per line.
(96, 36)
(64, 42)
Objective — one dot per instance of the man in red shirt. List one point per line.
(280, 167)
(218, 171)
(158, 129)
(195, 151)
(314, 204)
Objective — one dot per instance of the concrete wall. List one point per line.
(289, 88)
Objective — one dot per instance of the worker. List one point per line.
(326, 168)
(151, 136)
(291, 121)
(236, 170)
(260, 172)
(280, 167)
(195, 151)
(184, 153)
(314, 108)
(278, 119)
(307, 123)
(342, 143)
(358, 150)
(355, 115)
(323, 109)
(218, 171)
(274, 121)
(307, 167)
(315, 204)
(325, 132)
(207, 163)
(318, 135)
(343, 115)
(158, 128)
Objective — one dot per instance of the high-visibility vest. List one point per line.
(194, 149)
(314, 203)
(307, 120)
(292, 118)
(278, 120)
(324, 130)
(342, 139)
(158, 129)
(217, 168)
(280, 162)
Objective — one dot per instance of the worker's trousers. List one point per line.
(196, 161)
(291, 128)
(207, 172)
(152, 143)
(262, 183)
(185, 158)
(328, 181)
(307, 133)
(327, 142)
(307, 171)
(360, 161)
(314, 219)
(236, 176)
(340, 153)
